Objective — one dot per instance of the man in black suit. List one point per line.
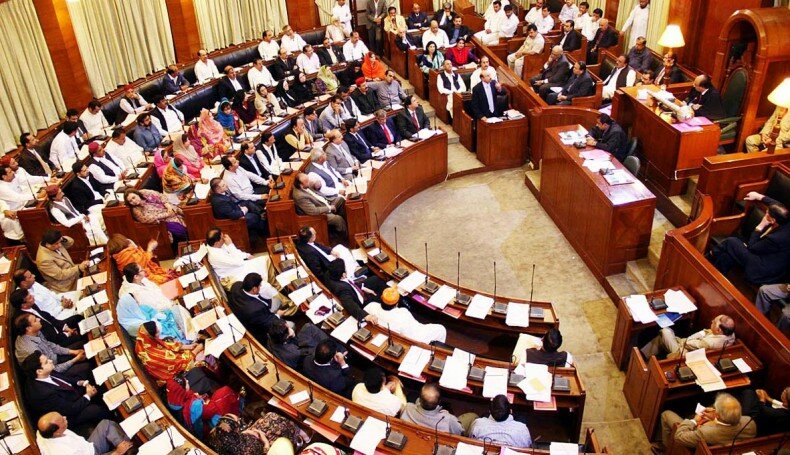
(444, 16)
(353, 296)
(382, 132)
(230, 84)
(416, 19)
(47, 391)
(580, 84)
(249, 161)
(317, 257)
(64, 333)
(605, 37)
(283, 66)
(571, 39)
(669, 73)
(411, 119)
(555, 73)
(484, 98)
(226, 206)
(83, 191)
(765, 258)
(357, 144)
(457, 30)
(73, 115)
(30, 160)
(330, 55)
(328, 368)
(290, 347)
(608, 135)
(255, 312)
(366, 99)
(705, 99)
(173, 81)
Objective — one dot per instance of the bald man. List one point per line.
(721, 331)
(605, 37)
(55, 438)
(427, 412)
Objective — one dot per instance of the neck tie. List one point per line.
(360, 294)
(362, 141)
(387, 133)
(414, 119)
(63, 384)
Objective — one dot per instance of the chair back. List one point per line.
(632, 164)
(632, 145)
(733, 92)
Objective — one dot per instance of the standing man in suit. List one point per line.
(330, 55)
(339, 156)
(310, 202)
(328, 368)
(230, 84)
(705, 99)
(621, 76)
(608, 135)
(29, 158)
(670, 73)
(256, 311)
(174, 81)
(376, 11)
(605, 37)
(83, 191)
(484, 98)
(382, 132)
(357, 144)
(55, 264)
(226, 206)
(571, 39)
(556, 71)
(412, 119)
(765, 258)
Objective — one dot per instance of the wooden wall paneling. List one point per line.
(406, 5)
(184, 27)
(303, 14)
(611, 10)
(53, 15)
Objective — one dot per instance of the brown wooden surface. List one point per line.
(762, 445)
(463, 123)
(670, 156)
(303, 15)
(118, 220)
(549, 116)
(416, 76)
(607, 225)
(199, 218)
(502, 145)
(184, 28)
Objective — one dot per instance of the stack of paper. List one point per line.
(415, 361)
(410, 283)
(303, 293)
(572, 137)
(456, 369)
(103, 372)
(198, 275)
(495, 382)
(640, 309)
(163, 443)
(677, 302)
(442, 297)
(16, 442)
(618, 177)
(99, 298)
(369, 436)
(135, 422)
(425, 133)
(708, 377)
(98, 278)
(96, 345)
(479, 306)
(114, 397)
(493, 120)
(598, 165)
(536, 383)
(102, 318)
(192, 299)
(392, 151)
(514, 114)
(563, 448)
(204, 320)
(345, 330)
(468, 449)
(517, 314)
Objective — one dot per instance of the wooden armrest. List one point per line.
(726, 225)
(744, 188)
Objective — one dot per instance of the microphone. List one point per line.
(475, 373)
(436, 436)
(429, 286)
(134, 173)
(132, 403)
(460, 297)
(399, 273)
(382, 256)
(355, 195)
(176, 450)
(368, 243)
(534, 443)
(684, 374)
(278, 247)
(282, 387)
(732, 444)
(725, 365)
(436, 364)
(534, 312)
(658, 303)
(258, 368)
(559, 384)
(393, 349)
(317, 407)
(395, 439)
(34, 201)
(236, 349)
(499, 307)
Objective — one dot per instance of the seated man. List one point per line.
(389, 91)
(250, 160)
(606, 36)
(256, 311)
(339, 156)
(226, 206)
(484, 68)
(771, 416)
(290, 347)
(401, 321)
(435, 34)
(379, 393)
(357, 144)
(55, 438)
(308, 61)
(310, 202)
(716, 426)
(64, 333)
(317, 257)
(327, 367)
(55, 264)
(106, 171)
(549, 354)
(556, 71)
(500, 426)
(774, 294)
(705, 99)
(609, 136)
(230, 263)
(765, 258)
(762, 140)
(580, 84)
(353, 296)
(30, 339)
(30, 160)
(47, 390)
(366, 99)
(571, 39)
(332, 116)
(290, 40)
(382, 132)
(59, 306)
(84, 191)
(639, 57)
(417, 19)
(146, 134)
(394, 22)
(412, 119)
(333, 183)
(490, 33)
(427, 412)
(721, 331)
(621, 76)
(457, 30)
(533, 45)
(669, 73)
(240, 181)
(173, 82)
(65, 213)
(484, 98)
(205, 68)
(93, 118)
(166, 118)
(124, 150)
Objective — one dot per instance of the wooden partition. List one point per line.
(549, 116)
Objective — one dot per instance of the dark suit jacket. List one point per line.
(323, 55)
(225, 208)
(613, 140)
(331, 376)
(558, 72)
(710, 103)
(53, 328)
(253, 313)
(375, 135)
(768, 257)
(464, 32)
(437, 16)
(30, 163)
(361, 151)
(226, 89)
(367, 103)
(294, 350)
(405, 123)
(480, 103)
(675, 76)
(417, 20)
(316, 262)
(42, 397)
(572, 42)
(280, 69)
(81, 196)
(169, 87)
(246, 163)
(347, 297)
(604, 39)
(578, 86)
(403, 47)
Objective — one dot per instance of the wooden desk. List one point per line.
(626, 331)
(671, 156)
(648, 392)
(504, 144)
(607, 225)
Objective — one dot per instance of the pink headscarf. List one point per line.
(209, 128)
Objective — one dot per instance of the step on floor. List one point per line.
(641, 274)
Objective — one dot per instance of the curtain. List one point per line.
(225, 22)
(30, 96)
(657, 21)
(121, 40)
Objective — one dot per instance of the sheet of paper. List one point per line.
(493, 120)
(369, 436)
(563, 448)
(425, 133)
(456, 369)
(479, 306)
(198, 275)
(359, 255)
(163, 443)
(377, 164)
(285, 278)
(99, 298)
(598, 165)
(619, 177)
(114, 397)
(743, 367)
(4, 381)
(495, 382)
(379, 340)
(345, 330)
(536, 383)
(468, 449)
(217, 345)
(442, 297)
(339, 415)
(203, 320)
(321, 301)
(640, 309)
(410, 283)
(192, 258)
(96, 278)
(192, 299)
(135, 422)
(5, 265)
(556, 89)
(677, 302)
(699, 409)
(103, 372)
(95, 346)
(391, 151)
(300, 295)
(298, 397)
(102, 318)
(415, 361)
(514, 114)
(517, 314)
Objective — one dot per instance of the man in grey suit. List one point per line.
(309, 202)
(332, 116)
(376, 11)
(312, 124)
(339, 156)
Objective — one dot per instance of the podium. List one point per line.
(503, 144)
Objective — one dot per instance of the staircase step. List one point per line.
(621, 284)
(408, 90)
(654, 253)
(641, 274)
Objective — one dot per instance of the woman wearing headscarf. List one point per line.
(271, 434)
(264, 97)
(228, 119)
(372, 68)
(190, 158)
(283, 93)
(176, 183)
(301, 89)
(163, 157)
(164, 358)
(124, 251)
(328, 79)
(431, 59)
(149, 206)
(208, 136)
(244, 107)
(200, 412)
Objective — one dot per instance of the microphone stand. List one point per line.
(317, 407)
(732, 444)
(725, 365)
(429, 286)
(399, 272)
(258, 368)
(237, 348)
(393, 349)
(282, 387)
(382, 257)
(460, 297)
(534, 312)
(499, 307)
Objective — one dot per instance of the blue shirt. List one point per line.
(147, 137)
(508, 432)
